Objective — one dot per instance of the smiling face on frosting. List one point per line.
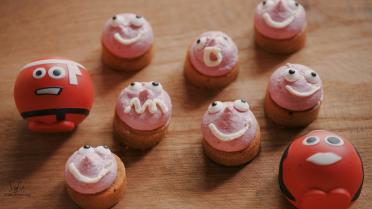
(127, 35)
(91, 170)
(213, 53)
(296, 87)
(229, 126)
(144, 105)
(280, 19)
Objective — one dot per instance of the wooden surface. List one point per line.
(176, 174)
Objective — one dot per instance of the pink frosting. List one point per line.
(129, 26)
(219, 40)
(228, 119)
(302, 81)
(144, 91)
(90, 162)
(280, 11)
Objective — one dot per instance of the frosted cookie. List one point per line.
(280, 26)
(127, 41)
(212, 60)
(231, 134)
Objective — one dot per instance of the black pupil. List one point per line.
(242, 100)
(296, 4)
(264, 2)
(291, 72)
(311, 140)
(214, 104)
(198, 41)
(38, 73)
(132, 84)
(155, 83)
(313, 74)
(333, 140)
(225, 38)
(86, 146)
(138, 16)
(56, 72)
(114, 17)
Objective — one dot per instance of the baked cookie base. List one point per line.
(286, 46)
(126, 64)
(208, 82)
(105, 199)
(234, 158)
(284, 117)
(138, 139)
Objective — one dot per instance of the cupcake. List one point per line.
(143, 112)
(95, 177)
(127, 41)
(231, 134)
(280, 26)
(321, 170)
(212, 60)
(293, 96)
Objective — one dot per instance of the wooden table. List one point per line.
(176, 174)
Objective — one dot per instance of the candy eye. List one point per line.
(267, 3)
(134, 86)
(241, 105)
(155, 86)
(215, 107)
(85, 149)
(311, 140)
(291, 75)
(137, 21)
(334, 141)
(293, 4)
(39, 73)
(312, 77)
(56, 72)
(201, 42)
(117, 20)
(103, 150)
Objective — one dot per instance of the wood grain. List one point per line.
(176, 174)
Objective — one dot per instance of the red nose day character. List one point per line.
(53, 94)
(321, 170)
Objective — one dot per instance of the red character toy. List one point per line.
(53, 94)
(321, 170)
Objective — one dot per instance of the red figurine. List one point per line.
(53, 94)
(321, 170)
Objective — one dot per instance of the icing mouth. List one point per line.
(130, 41)
(227, 137)
(89, 180)
(294, 92)
(152, 105)
(324, 158)
(48, 91)
(276, 24)
(217, 56)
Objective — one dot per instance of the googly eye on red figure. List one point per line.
(321, 170)
(53, 94)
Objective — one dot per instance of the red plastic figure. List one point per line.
(321, 170)
(53, 94)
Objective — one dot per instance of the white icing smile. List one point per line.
(130, 41)
(214, 51)
(324, 158)
(89, 180)
(313, 89)
(227, 137)
(150, 104)
(276, 24)
(49, 91)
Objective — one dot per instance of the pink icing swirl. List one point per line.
(229, 118)
(89, 162)
(217, 41)
(144, 106)
(127, 35)
(299, 91)
(280, 19)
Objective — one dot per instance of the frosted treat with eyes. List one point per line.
(231, 132)
(212, 60)
(143, 108)
(95, 177)
(321, 170)
(296, 87)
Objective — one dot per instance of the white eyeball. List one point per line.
(268, 3)
(85, 149)
(312, 77)
(215, 107)
(155, 86)
(293, 4)
(311, 140)
(56, 72)
(103, 150)
(291, 75)
(117, 20)
(334, 141)
(201, 42)
(134, 86)
(39, 73)
(241, 105)
(137, 21)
